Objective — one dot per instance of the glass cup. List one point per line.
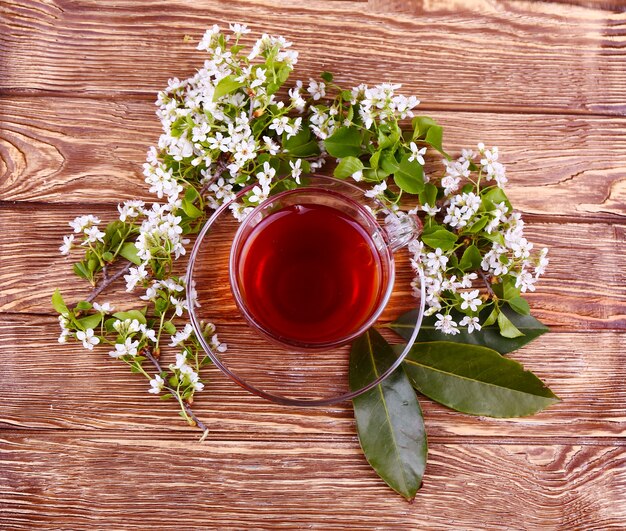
(302, 371)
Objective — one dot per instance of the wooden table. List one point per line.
(83, 445)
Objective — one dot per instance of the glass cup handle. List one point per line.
(401, 229)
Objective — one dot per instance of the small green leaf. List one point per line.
(347, 167)
(58, 304)
(344, 142)
(129, 251)
(520, 305)
(388, 417)
(81, 271)
(442, 238)
(390, 139)
(421, 125)
(477, 226)
(475, 380)
(191, 210)
(434, 137)
(225, 86)
(410, 176)
(301, 144)
(471, 259)
(327, 76)
(374, 160)
(131, 314)
(507, 328)
(169, 327)
(108, 256)
(428, 196)
(388, 162)
(91, 321)
(493, 196)
(489, 336)
(83, 306)
(493, 317)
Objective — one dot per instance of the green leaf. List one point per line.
(434, 137)
(410, 176)
(347, 167)
(169, 327)
(477, 226)
(428, 196)
(131, 314)
(191, 210)
(520, 305)
(493, 196)
(374, 160)
(58, 304)
(421, 125)
(91, 321)
(388, 162)
(388, 417)
(129, 251)
(507, 328)
(471, 259)
(489, 336)
(476, 380)
(83, 306)
(442, 238)
(388, 140)
(492, 318)
(225, 86)
(81, 271)
(108, 256)
(344, 142)
(326, 76)
(301, 144)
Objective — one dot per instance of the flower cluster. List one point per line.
(473, 252)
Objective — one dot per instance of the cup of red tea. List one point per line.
(309, 270)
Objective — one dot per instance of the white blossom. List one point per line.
(446, 324)
(472, 323)
(135, 275)
(296, 169)
(103, 308)
(182, 335)
(470, 300)
(316, 89)
(128, 348)
(377, 190)
(417, 153)
(81, 223)
(67, 244)
(88, 338)
(156, 385)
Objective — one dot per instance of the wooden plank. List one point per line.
(518, 55)
(582, 289)
(49, 155)
(82, 481)
(51, 386)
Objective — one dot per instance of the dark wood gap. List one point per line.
(227, 436)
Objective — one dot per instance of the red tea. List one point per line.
(310, 274)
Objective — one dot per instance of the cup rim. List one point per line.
(383, 296)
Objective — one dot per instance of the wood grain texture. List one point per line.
(556, 164)
(250, 485)
(82, 443)
(584, 289)
(72, 388)
(526, 55)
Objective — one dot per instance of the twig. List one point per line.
(187, 407)
(221, 166)
(487, 283)
(107, 281)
